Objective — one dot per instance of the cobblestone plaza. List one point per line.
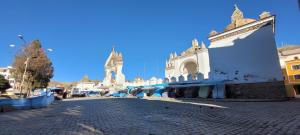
(154, 117)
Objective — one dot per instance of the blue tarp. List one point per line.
(119, 94)
(140, 95)
(5, 102)
(158, 92)
(26, 103)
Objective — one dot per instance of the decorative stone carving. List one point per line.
(237, 19)
(264, 15)
(237, 14)
(212, 33)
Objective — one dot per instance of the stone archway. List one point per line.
(113, 77)
(189, 68)
(113, 70)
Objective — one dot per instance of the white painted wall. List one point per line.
(253, 53)
(86, 85)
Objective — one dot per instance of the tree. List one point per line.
(4, 84)
(39, 67)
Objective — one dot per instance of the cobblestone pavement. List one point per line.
(151, 117)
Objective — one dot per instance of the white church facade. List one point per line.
(242, 60)
(245, 52)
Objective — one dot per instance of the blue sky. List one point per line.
(82, 32)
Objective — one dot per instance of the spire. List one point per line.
(236, 7)
(202, 45)
(113, 48)
(195, 43)
(175, 54)
(237, 14)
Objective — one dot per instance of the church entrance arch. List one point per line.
(189, 68)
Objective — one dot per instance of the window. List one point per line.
(297, 77)
(295, 67)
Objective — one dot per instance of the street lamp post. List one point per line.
(26, 65)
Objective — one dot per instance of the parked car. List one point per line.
(76, 92)
(93, 93)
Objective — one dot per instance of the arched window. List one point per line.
(190, 77)
(181, 78)
(200, 76)
(166, 80)
(173, 79)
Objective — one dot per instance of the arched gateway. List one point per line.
(113, 70)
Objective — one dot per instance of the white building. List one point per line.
(138, 81)
(245, 51)
(287, 53)
(86, 84)
(190, 65)
(7, 73)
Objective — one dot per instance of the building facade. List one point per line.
(138, 81)
(288, 53)
(192, 64)
(245, 52)
(241, 62)
(7, 73)
(290, 64)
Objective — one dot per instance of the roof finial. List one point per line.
(113, 48)
(236, 7)
(202, 45)
(194, 42)
(237, 14)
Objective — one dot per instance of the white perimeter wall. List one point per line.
(248, 57)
